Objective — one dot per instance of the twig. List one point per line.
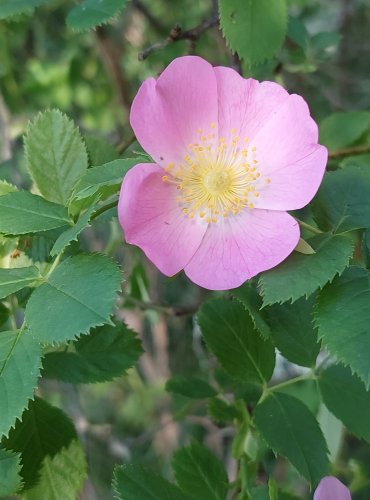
(355, 150)
(111, 59)
(176, 34)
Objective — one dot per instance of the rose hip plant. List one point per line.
(186, 308)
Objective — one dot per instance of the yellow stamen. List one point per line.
(216, 180)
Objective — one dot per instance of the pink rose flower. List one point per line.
(330, 488)
(232, 155)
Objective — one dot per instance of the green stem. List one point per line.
(310, 228)
(168, 311)
(103, 209)
(277, 387)
(13, 311)
(355, 150)
(150, 305)
(245, 494)
(54, 265)
(322, 364)
(121, 148)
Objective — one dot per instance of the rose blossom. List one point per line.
(330, 488)
(231, 155)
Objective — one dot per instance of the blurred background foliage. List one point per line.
(93, 76)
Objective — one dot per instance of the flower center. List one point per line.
(217, 178)
(217, 181)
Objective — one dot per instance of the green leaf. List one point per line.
(220, 411)
(106, 353)
(79, 294)
(301, 275)
(10, 480)
(133, 482)
(6, 188)
(191, 387)
(304, 247)
(343, 318)
(20, 363)
(56, 155)
(252, 301)
(291, 430)
(104, 180)
(4, 314)
(99, 150)
(200, 473)
(357, 160)
(230, 334)
(260, 493)
(293, 331)
(343, 201)
(10, 8)
(305, 390)
(333, 431)
(43, 431)
(12, 280)
(339, 130)
(346, 397)
(297, 32)
(255, 29)
(72, 233)
(91, 13)
(22, 212)
(324, 40)
(61, 476)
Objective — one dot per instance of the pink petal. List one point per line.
(166, 113)
(285, 135)
(245, 104)
(152, 219)
(330, 488)
(235, 249)
(288, 154)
